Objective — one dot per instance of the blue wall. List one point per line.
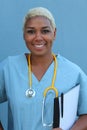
(71, 39)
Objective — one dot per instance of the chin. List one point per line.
(39, 53)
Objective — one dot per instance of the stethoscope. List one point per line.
(31, 93)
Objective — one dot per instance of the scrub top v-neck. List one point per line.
(26, 113)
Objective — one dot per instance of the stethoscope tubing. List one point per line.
(30, 93)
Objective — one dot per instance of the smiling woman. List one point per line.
(39, 35)
(36, 83)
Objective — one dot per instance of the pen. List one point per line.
(62, 102)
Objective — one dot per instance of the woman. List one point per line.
(24, 79)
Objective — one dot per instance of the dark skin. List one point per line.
(81, 124)
(1, 128)
(39, 36)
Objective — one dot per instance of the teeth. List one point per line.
(39, 46)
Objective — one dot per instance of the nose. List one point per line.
(38, 36)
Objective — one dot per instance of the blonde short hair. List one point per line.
(40, 11)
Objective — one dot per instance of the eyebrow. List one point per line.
(46, 27)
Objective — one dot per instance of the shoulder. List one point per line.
(15, 58)
(10, 60)
(65, 61)
(67, 64)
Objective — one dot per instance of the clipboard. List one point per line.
(70, 104)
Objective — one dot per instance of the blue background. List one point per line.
(71, 39)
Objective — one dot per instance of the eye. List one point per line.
(30, 31)
(45, 31)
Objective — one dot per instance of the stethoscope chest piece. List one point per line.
(30, 93)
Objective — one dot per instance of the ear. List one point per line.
(55, 30)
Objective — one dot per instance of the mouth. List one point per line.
(39, 45)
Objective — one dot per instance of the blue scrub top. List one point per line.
(26, 113)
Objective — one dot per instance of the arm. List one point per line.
(81, 123)
(1, 128)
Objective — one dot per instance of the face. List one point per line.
(39, 35)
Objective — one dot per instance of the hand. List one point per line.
(1, 128)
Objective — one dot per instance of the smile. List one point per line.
(39, 46)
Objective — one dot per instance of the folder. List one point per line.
(70, 105)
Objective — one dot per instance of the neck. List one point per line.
(38, 64)
(41, 60)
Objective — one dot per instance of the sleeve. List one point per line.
(82, 105)
(3, 96)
